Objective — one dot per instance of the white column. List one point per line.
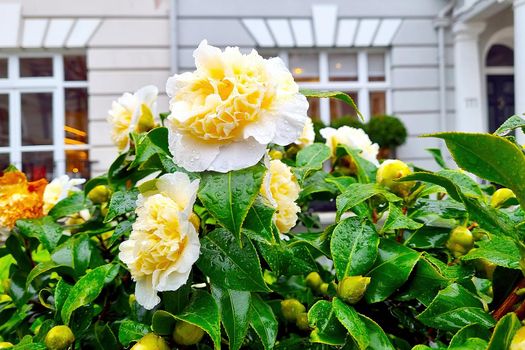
(467, 70)
(519, 55)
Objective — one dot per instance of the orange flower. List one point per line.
(19, 199)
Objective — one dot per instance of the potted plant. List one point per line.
(388, 132)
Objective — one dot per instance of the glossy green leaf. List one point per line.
(122, 202)
(466, 184)
(453, 308)
(358, 193)
(155, 142)
(326, 327)
(62, 290)
(75, 253)
(504, 332)
(428, 237)
(105, 337)
(317, 184)
(68, 206)
(234, 307)
(354, 247)
(229, 265)
(438, 156)
(499, 250)
(87, 289)
(94, 182)
(339, 95)
(391, 270)
(228, 197)
(310, 159)
(342, 182)
(350, 319)
(263, 321)
(397, 220)
(378, 340)
(45, 229)
(512, 123)
(366, 171)
(202, 312)
(260, 220)
(461, 338)
(130, 331)
(39, 269)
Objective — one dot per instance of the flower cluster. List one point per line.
(353, 138)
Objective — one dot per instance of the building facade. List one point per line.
(436, 64)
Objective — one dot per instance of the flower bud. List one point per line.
(59, 338)
(187, 334)
(291, 308)
(146, 120)
(99, 194)
(392, 170)
(5, 345)
(302, 322)
(352, 288)
(518, 342)
(314, 281)
(195, 221)
(275, 154)
(460, 241)
(500, 197)
(151, 341)
(323, 288)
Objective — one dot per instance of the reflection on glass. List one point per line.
(75, 68)
(76, 116)
(37, 118)
(304, 67)
(38, 165)
(4, 162)
(342, 67)
(376, 67)
(4, 120)
(339, 109)
(377, 103)
(77, 163)
(36, 67)
(3, 68)
(313, 108)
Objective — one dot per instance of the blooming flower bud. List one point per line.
(5, 345)
(352, 288)
(151, 341)
(518, 342)
(302, 322)
(195, 221)
(314, 281)
(500, 197)
(99, 194)
(187, 334)
(275, 154)
(392, 170)
(323, 288)
(291, 309)
(59, 338)
(460, 241)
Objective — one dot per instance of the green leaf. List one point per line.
(263, 321)
(234, 308)
(130, 331)
(87, 289)
(354, 247)
(260, 220)
(228, 265)
(310, 159)
(68, 206)
(512, 123)
(499, 250)
(461, 338)
(45, 229)
(39, 269)
(155, 142)
(62, 290)
(339, 95)
(391, 270)
(466, 184)
(397, 220)
(453, 308)
(228, 197)
(202, 312)
(438, 156)
(377, 337)
(122, 202)
(358, 193)
(316, 183)
(75, 253)
(94, 182)
(505, 330)
(326, 327)
(105, 337)
(350, 319)
(342, 182)
(491, 157)
(366, 171)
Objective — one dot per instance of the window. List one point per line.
(43, 115)
(361, 74)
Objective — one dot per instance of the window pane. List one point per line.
(37, 118)
(314, 110)
(75, 68)
(376, 67)
(38, 165)
(76, 116)
(339, 109)
(377, 103)
(3, 68)
(4, 120)
(36, 67)
(304, 67)
(4, 162)
(342, 67)
(77, 164)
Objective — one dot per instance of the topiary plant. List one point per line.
(350, 121)
(387, 131)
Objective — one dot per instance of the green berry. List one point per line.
(352, 288)
(187, 334)
(291, 308)
(59, 338)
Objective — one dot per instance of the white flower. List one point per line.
(225, 113)
(353, 138)
(307, 136)
(282, 190)
(58, 189)
(132, 112)
(163, 245)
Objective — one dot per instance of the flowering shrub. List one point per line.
(200, 233)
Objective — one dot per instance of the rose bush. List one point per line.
(201, 235)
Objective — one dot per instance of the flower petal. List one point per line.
(145, 293)
(263, 130)
(190, 153)
(238, 155)
(291, 120)
(179, 188)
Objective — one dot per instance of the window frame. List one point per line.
(14, 86)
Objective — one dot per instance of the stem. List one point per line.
(509, 302)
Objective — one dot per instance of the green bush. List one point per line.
(350, 121)
(387, 131)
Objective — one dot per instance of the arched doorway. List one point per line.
(499, 67)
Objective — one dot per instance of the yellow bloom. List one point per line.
(353, 138)
(307, 136)
(281, 189)
(225, 112)
(58, 189)
(132, 112)
(518, 341)
(19, 199)
(163, 244)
